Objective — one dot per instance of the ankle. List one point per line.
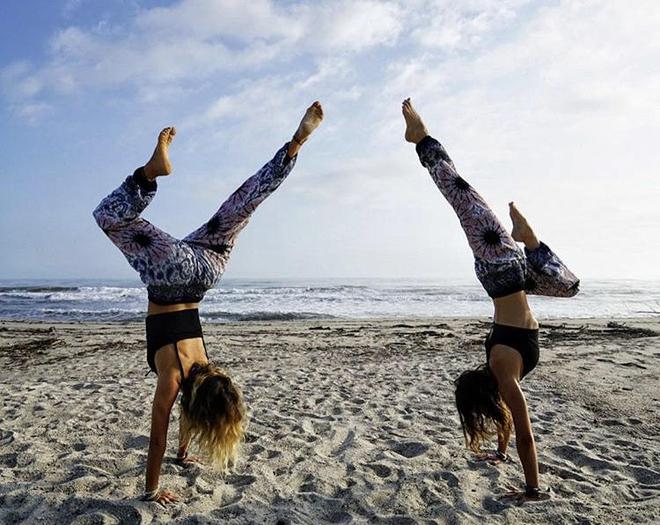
(149, 172)
(531, 242)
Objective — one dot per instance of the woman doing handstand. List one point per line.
(177, 274)
(489, 398)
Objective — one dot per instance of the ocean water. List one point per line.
(241, 300)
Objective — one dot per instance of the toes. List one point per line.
(167, 134)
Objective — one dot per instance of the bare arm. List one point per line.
(503, 437)
(515, 399)
(166, 392)
(183, 443)
(182, 455)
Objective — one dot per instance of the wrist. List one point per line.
(181, 456)
(150, 495)
(532, 491)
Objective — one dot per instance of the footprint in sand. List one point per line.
(101, 511)
(255, 450)
(382, 471)
(410, 449)
(137, 442)
(9, 460)
(241, 480)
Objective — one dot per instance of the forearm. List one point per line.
(154, 462)
(503, 438)
(184, 441)
(527, 454)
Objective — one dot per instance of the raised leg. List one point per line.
(546, 272)
(158, 257)
(488, 239)
(219, 233)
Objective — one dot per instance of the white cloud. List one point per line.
(31, 112)
(350, 25)
(554, 104)
(461, 24)
(202, 19)
(194, 40)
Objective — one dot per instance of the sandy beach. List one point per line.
(350, 422)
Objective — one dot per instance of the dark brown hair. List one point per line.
(480, 407)
(213, 413)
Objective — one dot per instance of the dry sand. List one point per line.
(350, 422)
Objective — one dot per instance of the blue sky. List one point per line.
(555, 105)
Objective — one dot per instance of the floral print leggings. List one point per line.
(181, 271)
(501, 267)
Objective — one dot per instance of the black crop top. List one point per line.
(170, 328)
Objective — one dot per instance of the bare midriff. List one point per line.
(514, 310)
(154, 308)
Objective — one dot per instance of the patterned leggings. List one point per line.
(500, 265)
(181, 271)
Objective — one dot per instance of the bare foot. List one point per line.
(415, 128)
(522, 231)
(311, 121)
(159, 164)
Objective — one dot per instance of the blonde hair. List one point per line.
(213, 414)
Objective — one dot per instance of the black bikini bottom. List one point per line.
(169, 328)
(524, 340)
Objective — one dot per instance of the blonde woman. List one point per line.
(177, 274)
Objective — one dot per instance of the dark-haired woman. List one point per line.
(489, 398)
(177, 274)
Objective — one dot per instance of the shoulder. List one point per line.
(505, 363)
(167, 388)
(167, 364)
